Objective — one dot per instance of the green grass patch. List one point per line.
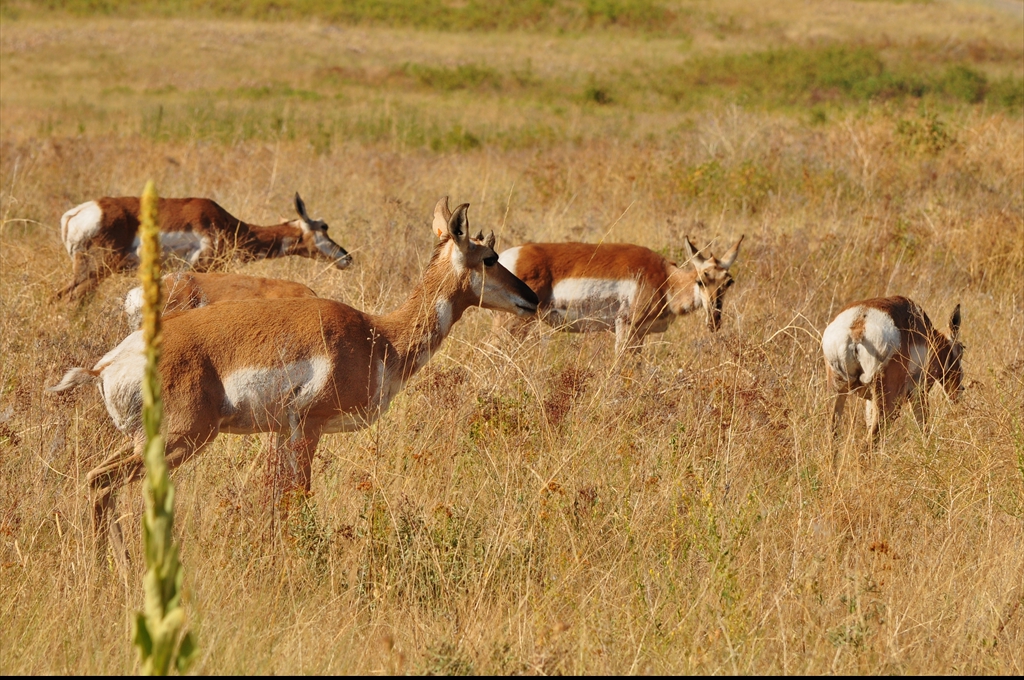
(647, 16)
(840, 73)
(461, 77)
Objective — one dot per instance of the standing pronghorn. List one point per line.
(586, 287)
(299, 367)
(190, 290)
(886, 351)
(101, 237)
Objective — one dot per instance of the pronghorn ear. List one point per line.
(490, 241)
(692, 254)
(301, 207)
(954, 323)
(458, 224)
(441, 216)
(730, 256)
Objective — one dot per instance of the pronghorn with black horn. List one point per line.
(101, 237)
(298, 367)
(191, 290)
(623, 287)
(886, 351)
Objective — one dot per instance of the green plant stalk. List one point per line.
(156, 629)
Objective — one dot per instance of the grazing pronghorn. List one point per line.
(101, 237)
(298, 367)
(190, 290)
(635, 291)
(886, 351)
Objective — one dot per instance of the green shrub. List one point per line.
(963, 83)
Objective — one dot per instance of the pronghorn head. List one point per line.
(950, 359)
(475, 266)
(314, 241)
(713, 279)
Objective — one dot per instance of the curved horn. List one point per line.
(730, 256)
(490, 241)
(441, 216)
(954, 324)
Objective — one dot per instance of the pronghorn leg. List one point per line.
(872, 412)
(84, 277)
(182, 447)
(125, 467)
(104, 480)
(628, 343)
(293, 465)
(301, 446)
(623, 334)
(837, 412)
(919, 402)
(888, 394)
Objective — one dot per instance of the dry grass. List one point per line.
(526, 508)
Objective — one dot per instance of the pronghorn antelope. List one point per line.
(189, 290)
(589, 287)
(300, 367)
(886, 351)
(101, 237)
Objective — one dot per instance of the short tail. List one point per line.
(74, 378)
(846, 371)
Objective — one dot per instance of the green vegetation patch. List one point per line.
(441, 15)
(833, 73)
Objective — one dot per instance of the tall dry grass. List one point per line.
(524, 508)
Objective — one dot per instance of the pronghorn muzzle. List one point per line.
(332, 251)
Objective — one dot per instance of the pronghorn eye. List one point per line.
(491, 261)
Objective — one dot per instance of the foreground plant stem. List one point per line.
(156, 629)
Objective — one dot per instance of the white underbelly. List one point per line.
(262, 398)
(183, 245)
(588, 304)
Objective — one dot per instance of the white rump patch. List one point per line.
(121, 370)
(591, 304)
(263, 395)
(133, 306)
(868, 355)
(508, 259)
(80, 225)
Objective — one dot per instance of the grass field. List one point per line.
(534, 508)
